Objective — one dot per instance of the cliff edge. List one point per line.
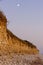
(10, 43)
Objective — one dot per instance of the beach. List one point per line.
(21, 59)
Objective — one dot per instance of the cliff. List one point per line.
(10, 43)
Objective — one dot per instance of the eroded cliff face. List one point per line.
(10, 43)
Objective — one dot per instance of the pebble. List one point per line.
(19, 59)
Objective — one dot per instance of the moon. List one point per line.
(18, 5)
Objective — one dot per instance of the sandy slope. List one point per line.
(21, 59)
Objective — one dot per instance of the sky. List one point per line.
(25, 19)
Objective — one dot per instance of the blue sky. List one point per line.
(25, 21)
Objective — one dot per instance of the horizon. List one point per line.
(25, 19)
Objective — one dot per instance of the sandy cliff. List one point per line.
(10, 43)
